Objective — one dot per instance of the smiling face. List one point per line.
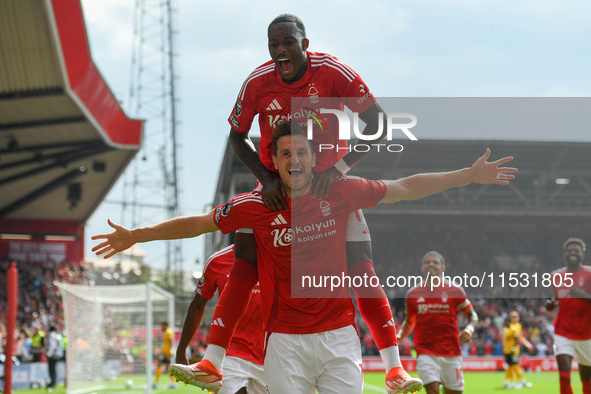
(287, 47)
(573, 255)
(433, 265)
(294, 161)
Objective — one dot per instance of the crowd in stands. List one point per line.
(487, 339)
(39, 304)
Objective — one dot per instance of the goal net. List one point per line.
(113, 333)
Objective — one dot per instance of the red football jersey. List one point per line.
(266, 94)
(315, 239)
(571, 322)
(248, 340)
(436, 313)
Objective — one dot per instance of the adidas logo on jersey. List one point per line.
(389, 323)
(279, 220)
(274, 106)
(218, 322)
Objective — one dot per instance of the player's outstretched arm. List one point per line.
(123, 238)
(273, 194)
(190, 326)
(423, 185)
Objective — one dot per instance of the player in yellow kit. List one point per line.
(512, 338)
(166, 353)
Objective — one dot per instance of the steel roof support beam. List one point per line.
(62, 161)
(43, 190)
(59, 156)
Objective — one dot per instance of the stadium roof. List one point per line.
(64, 139)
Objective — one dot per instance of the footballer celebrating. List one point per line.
(432, 311)
(311, 343)
(292, 85)
(572, 333)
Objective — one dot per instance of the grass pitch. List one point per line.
(489, 383)
(476, 382)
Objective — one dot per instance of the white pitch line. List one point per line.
(377, 389)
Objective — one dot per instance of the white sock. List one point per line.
(215, 354)
(391, 357)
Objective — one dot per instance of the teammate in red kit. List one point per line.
(572, 332)
(311, 343)
(243, 366)
(290, 86)
(432, 309)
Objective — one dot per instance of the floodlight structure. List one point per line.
(151, 185)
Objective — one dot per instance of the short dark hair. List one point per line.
(577, 241)
(292, 19)
(287, 128)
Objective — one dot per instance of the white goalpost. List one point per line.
(110, 331)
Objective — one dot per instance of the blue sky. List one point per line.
(423, 48)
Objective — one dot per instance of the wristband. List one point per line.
(342, 167)
(469, 328)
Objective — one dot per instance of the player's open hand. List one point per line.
(323, 181)
(465, 336)
(115, 242)
(491, 172)
(551, 304)
(273, 195)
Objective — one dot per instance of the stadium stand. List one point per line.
(64, 142)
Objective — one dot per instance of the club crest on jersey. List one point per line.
(325, 208)
(282, 237)
(313, 93)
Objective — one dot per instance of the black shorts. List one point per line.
(164, 360)
(511, 359)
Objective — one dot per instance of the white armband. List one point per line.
(342, 167)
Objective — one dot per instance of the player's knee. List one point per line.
(357, 251)
(585, 372)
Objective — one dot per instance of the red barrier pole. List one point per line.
(12, 281)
